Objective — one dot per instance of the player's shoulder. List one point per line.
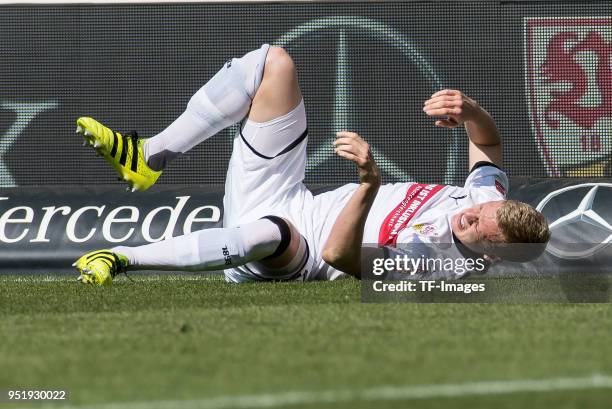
(489, 179)
(485, 167)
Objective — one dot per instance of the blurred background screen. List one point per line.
(542, 70)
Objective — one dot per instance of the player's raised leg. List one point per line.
(279, 91)
(268, 160)
(270, 244)
(278, 109)
(224, 100)
(278, 95)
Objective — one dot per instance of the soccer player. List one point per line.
(273, 227)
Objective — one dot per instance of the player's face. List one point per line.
(477, 224)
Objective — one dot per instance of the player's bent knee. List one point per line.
(290, 260)
(279, 91)
(279, 63)
(287, 248)
(292, 264)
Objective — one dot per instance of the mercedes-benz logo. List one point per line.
(582, 214)
(342, 26)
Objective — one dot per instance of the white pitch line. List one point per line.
(383, 393)
(136, 277)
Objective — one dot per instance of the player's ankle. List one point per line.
(159, 160)
(125, 254)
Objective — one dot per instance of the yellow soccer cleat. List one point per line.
(100, 267)
(124, 153)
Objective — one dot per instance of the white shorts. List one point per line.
(259, 185)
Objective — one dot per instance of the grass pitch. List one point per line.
(194, 341)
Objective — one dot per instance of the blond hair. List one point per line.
(521, 223)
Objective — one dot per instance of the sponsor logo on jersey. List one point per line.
(457, 198)
(569, 84)
(417, 195)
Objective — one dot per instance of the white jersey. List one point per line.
(414, 212)
(409, 212)
(259, 185)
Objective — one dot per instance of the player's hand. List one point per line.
(351, 146)
(454, 106)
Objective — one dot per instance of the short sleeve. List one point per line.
(487, 182)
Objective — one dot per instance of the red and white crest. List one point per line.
(568, 73)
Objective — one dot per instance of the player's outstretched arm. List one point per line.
(457, 108)
(343, 247)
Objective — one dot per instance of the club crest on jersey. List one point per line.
(425, 229)
(568, 78)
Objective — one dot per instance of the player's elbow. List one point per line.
(341, 261)
(331, 255)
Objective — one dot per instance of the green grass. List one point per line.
(190, 337)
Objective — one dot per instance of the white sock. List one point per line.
(223, 101)
(209, 249)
